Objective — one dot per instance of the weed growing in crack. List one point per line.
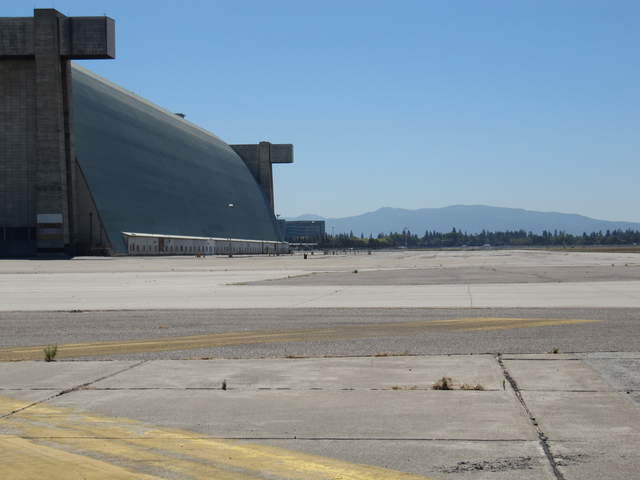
(391, 354)
(466, 386)
(50, 352)
(445, 383)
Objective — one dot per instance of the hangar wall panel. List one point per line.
(17, 152)
(17, 102)
(91, 238)
(151, 171)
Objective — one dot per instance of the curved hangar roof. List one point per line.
(154, 172)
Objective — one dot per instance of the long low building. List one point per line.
(158, 244)
(84, 161)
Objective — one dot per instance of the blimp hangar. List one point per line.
(87, 167)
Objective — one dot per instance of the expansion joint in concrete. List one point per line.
(542, 437)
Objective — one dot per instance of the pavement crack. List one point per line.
(18, 410)
(334, 292)
(71, 389)
(283, 437)
(470, 296)
(557, 359)
(542, 437)
(104, 377)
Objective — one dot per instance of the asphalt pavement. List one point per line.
(187, 334)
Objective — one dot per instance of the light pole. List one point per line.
(281, 231)
(333, 237)
(230, 205)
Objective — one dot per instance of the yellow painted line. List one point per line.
(22, 459)
(530, 324)
(66, 443)
(8, 405)
(341, 332)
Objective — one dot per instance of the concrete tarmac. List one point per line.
(482, 279)
(360, 418)
(193, 290)
(354, 398)
(465, 275)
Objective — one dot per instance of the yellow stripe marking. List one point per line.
(22, 459)
(531, 324)
(64, 443)
(341, 332)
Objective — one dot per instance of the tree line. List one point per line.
(457, 238)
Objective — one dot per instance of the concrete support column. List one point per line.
(51, 85)
(37, 162)
(265, 172)
(259, 159)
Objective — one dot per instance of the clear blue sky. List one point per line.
(531, 104)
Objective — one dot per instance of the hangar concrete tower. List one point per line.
(84, 163)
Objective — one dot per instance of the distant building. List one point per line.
(282, 228)
(302, 230)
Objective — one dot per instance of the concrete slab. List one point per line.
(380, 260)
(566, 295)
(12, 400)
(312, 373)
(127, 290)
(465, 275)
(622, 373)
(596, 416)
(607, 355)
(55, 437)
(611, 459)
(555, 375)
(435, 434)
(55, 375)
(462, 415)
(157, 283)
(455, 460)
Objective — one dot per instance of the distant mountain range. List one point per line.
(467, 218)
